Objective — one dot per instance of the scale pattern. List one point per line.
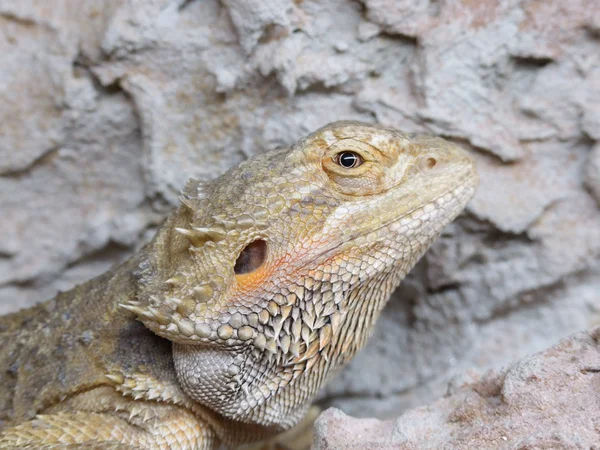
(254, 293)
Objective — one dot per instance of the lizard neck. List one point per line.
(265, 389)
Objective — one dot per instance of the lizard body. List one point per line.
(258, 289)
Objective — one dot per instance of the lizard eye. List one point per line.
(348, 160)
(251, 257)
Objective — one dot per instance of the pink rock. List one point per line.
(546, 401)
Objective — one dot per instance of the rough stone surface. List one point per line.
(107, 107)
(592, 175)
(547, 401)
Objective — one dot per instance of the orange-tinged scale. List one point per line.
(250, 281)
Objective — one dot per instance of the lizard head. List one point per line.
(285, 261)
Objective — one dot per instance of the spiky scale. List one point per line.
(189, 234)
(271, 346)
(309, 319)
(325, 335)
(322, 320)
(116, 378)
(310, 352)
(297, 330)
(277, 324)
(209, 234)
(264, 316)
(273, 308)
(285, 343)
(175, 281)
(336, 319)
(203, 292)
(260, 341)
(186, 327)
(306, 334)
(133, 308)
(285, 311)
(188, 203)
(186, 306)
(328, 309)
(310, 363)
(159, 317)
(295, 349)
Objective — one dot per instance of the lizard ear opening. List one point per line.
(251, 257)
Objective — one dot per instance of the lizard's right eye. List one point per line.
(355, 167)
(348, 160)
(251, 257)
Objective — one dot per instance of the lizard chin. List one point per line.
(239, 385)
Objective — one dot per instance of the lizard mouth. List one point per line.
(461, 194)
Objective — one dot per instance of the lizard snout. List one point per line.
(446, 158)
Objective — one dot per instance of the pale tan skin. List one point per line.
(319, 247)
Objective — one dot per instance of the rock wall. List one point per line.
(108, 106)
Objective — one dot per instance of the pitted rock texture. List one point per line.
(546, 401)
(108, 107)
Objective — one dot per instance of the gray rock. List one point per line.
(108, 107)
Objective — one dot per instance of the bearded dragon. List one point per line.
(256, 291)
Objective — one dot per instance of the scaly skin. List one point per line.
(236, 338)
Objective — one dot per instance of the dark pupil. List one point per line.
(251, 258)
(348, 160)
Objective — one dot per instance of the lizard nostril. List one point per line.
(428, 163)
